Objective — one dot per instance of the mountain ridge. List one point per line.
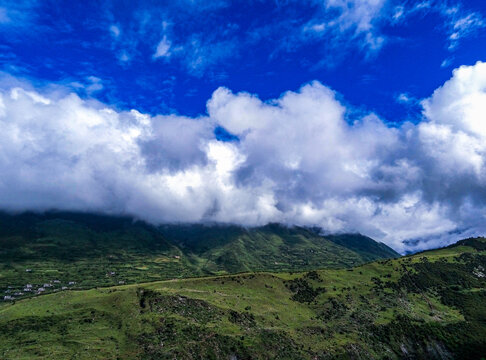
(96, 250)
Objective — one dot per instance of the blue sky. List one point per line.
(351, 115)
(370, 52)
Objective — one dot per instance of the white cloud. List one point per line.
(461, 23)
(446, 62)
(94, 84)
(17, 14)
(399, 13)
(458, 21)
(461, 102)
(163, 48)
(358, 14)
(362, 21)
(350, 20)
(124, 57)
(405, 98)
(298, 160)
(200, 53)
(115, 31)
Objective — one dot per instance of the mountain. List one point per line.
(272, 247)
(430, 305)
(368, 248)
(93, 250)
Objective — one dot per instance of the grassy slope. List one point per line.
(95, 250)
(431, 305)
(365, 246)
(272, 248)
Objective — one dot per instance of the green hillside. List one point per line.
(272, 247)
(365, 246)
(426, 306)
(68, 250)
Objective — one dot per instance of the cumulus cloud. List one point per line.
(300, 160)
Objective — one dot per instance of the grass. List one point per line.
(430, 305)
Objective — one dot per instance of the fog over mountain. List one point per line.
(305, 158)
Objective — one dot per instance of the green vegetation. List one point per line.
(59, 251)
(365, 246)
(426, 306)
